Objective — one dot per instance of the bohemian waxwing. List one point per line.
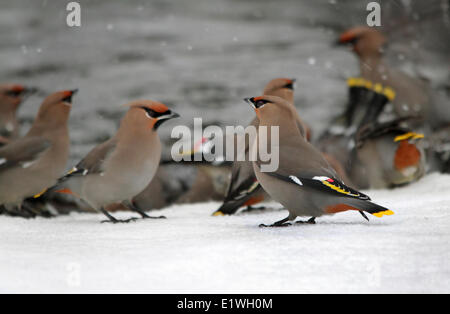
(11, 96)
(304, 182)
(387, 155)
(366, 102)
(413, 97)
(32, 163)
(120, 168)
(244, 189)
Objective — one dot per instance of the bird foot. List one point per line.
(116, 221)
(151, 217)
(311, 221)
(286, 224)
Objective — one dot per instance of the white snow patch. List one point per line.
(194, 252)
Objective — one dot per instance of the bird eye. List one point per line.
(260, 103)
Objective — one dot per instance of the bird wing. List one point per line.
(320, 183)
(243, 180)
(23, 152)
(241, 187)
(94, 162)
(379, 129)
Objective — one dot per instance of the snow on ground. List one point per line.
(194, 252)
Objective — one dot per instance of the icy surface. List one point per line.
(194, 252)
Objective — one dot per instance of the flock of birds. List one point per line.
(382, 139)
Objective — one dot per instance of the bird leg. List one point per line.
(19, 211)
(281, 223)
(311, 221)
(364, 215)
(144, 215)
(29, 209)
(114, 220)
(251, 208)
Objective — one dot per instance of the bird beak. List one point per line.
(171, 115)
(250, 102)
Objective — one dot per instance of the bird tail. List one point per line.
(62, 186)
(375, 209)
(229, 207)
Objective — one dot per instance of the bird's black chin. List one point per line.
(158, 124)
(68, 99)
(165, 117)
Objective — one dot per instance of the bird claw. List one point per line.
(150, 217)
(286, 224)
(120, 221)
(311, 221)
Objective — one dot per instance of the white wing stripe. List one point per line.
(320, 178)
(296, 180)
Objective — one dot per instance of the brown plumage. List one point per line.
(120, 168)
(412, 94)
(11, 96)
(244, 189)
(387, 155)
(32, 163)
(304, 182)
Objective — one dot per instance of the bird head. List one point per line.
(364, 40)
(11, 95)
(151, 113)
(270, 107)
(56, 108)
(281, 87)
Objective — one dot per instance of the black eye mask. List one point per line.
(289, 86)
(13, 93)
(160, 116)
(155, 114)
(256, 103)
(68, 99)
(260, 103)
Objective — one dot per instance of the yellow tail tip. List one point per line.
(385, 213)
(40, 194)
(218, 213)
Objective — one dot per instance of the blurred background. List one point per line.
(201, 57)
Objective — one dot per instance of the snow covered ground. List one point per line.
(201, 58)
(194, 252)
